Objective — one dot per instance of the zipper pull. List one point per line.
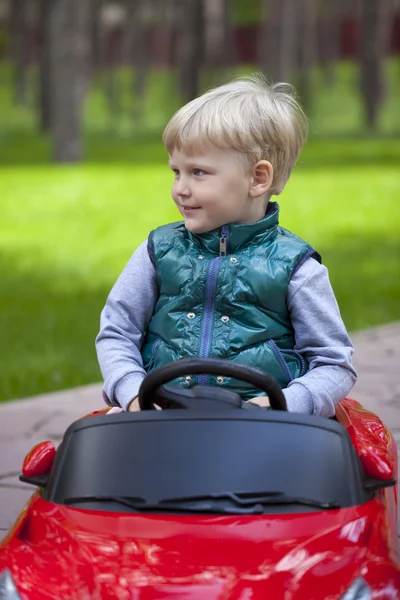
(222, 241)
(222, 246)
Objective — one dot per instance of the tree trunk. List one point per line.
(95, 44)
(138, 52)
(230, 54)
(69, 54)
(329, 39)
(278, 35)
(306, 43)
(44, 66)
(190, 49)
(19, 50)
(217, 36)
(112, 84)
(375, 29)
(215, 31)
(113, 18)
(165, 42)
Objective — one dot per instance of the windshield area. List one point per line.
(231, 503)
(169, 463)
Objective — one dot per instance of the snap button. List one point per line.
(201, 256)
(224, 319)
(188, 378)
(233, 259)
(191, 315)
(220, 379)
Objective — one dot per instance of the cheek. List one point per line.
(233, 188)
(238, 187)
(173, 192)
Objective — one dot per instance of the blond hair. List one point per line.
(260, 120)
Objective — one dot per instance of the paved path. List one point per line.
(27, 422)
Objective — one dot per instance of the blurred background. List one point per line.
(86, 88)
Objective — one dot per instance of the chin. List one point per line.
(196, 228)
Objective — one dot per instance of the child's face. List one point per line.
(212, 188)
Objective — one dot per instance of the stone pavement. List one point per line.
(24, 423)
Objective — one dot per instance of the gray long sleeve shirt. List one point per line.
(320, 335)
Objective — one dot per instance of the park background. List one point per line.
(86, 87)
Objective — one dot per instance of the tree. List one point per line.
(190, 46)
(138, 52)
(165, 46)
(306, 45)
(375, 30)
(44, 65)
(329, 37)
(19, 50)
(277, 40)
(95, 30)
(106, 32)
(69, 37)
(216, 31)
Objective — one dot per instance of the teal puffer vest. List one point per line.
(223, 294)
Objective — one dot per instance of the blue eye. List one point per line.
(198, 172)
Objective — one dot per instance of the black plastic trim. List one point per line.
(37, 480)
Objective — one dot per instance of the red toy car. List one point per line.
(218, 501)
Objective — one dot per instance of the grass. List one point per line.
(67, 231)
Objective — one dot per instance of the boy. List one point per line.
(228, 282)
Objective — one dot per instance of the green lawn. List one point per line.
(66, 233)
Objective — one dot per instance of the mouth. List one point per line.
(189, 209)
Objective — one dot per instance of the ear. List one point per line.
(262, 177)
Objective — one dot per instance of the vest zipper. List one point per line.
(223, 240)
(209, 303)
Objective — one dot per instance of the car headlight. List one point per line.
(8, 591)
(359, 590)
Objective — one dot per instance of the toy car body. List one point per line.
(207, 504)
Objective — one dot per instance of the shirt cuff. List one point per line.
(127, 389)
(299, 399)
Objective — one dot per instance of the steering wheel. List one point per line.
(207, 366)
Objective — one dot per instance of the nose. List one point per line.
(182, 187)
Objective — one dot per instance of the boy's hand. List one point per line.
(262, 401)
(134, 405)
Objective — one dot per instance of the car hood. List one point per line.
(60, 552)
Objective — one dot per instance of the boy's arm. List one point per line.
(322, 338)
(124, 320)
